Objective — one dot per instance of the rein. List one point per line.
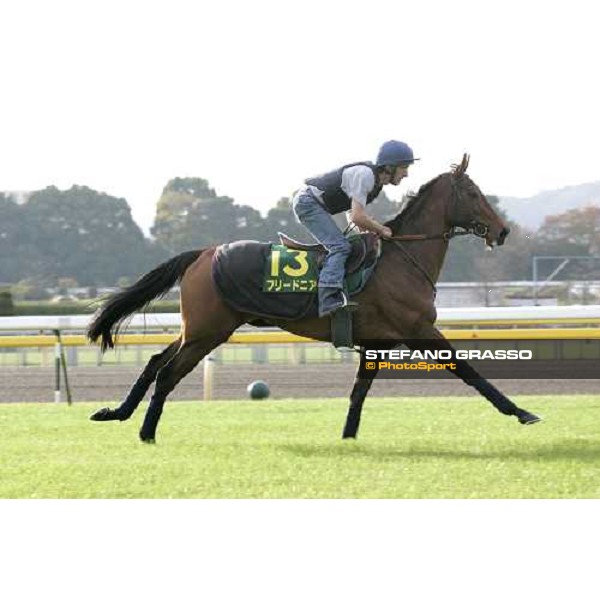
(416, 264)
(476, 228)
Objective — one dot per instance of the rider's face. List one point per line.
(399, 174)
(394, 175)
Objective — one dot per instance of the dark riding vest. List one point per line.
(334, 198)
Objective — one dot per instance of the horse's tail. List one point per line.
(110, 317)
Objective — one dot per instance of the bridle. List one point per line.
(475, 228)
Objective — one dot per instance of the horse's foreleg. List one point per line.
(473, 379)
(139, 388)
(357, 397)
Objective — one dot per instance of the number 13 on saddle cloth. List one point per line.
(290, 270)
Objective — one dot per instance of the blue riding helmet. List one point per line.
(395, 153)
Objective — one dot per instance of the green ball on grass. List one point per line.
(258, 390)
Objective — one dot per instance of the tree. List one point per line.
(249, 224)
(190, 214)
(576, 231)
(281, 218)
(467, 260)
(86, 235)
(12, 225)
(573, 233)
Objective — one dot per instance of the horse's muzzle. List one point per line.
(503, 235)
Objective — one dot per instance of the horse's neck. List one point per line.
(429, 219)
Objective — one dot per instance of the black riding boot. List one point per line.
(332, 299)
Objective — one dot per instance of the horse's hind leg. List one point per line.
(184, 361)
(139, 388)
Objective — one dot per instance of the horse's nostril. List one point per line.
(503, 234)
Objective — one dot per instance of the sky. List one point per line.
(256, 96)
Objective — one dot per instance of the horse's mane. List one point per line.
(413, 200)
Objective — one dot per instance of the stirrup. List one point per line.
(349, 305)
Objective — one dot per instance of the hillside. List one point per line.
(531, 212)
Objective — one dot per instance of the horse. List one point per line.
(397, 303)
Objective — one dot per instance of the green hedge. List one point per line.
(7, 307)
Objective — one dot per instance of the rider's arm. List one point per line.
(362, 220)
(358, 181)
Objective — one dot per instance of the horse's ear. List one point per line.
(466, 158)
(459, 170)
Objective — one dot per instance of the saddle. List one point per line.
(279, 281)
(365, 249)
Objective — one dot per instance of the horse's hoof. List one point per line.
(104, 414)
(526, 418)
(147, 440)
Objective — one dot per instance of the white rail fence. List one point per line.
(508, 315)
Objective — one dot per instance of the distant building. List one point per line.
(20, 197)
(516, 293)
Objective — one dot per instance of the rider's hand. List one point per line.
(385, 232)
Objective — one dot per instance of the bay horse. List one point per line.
(397, 304)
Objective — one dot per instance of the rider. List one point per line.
(349, 188)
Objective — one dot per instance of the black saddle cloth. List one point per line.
(238, 271)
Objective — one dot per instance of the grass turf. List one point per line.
(413, 448)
